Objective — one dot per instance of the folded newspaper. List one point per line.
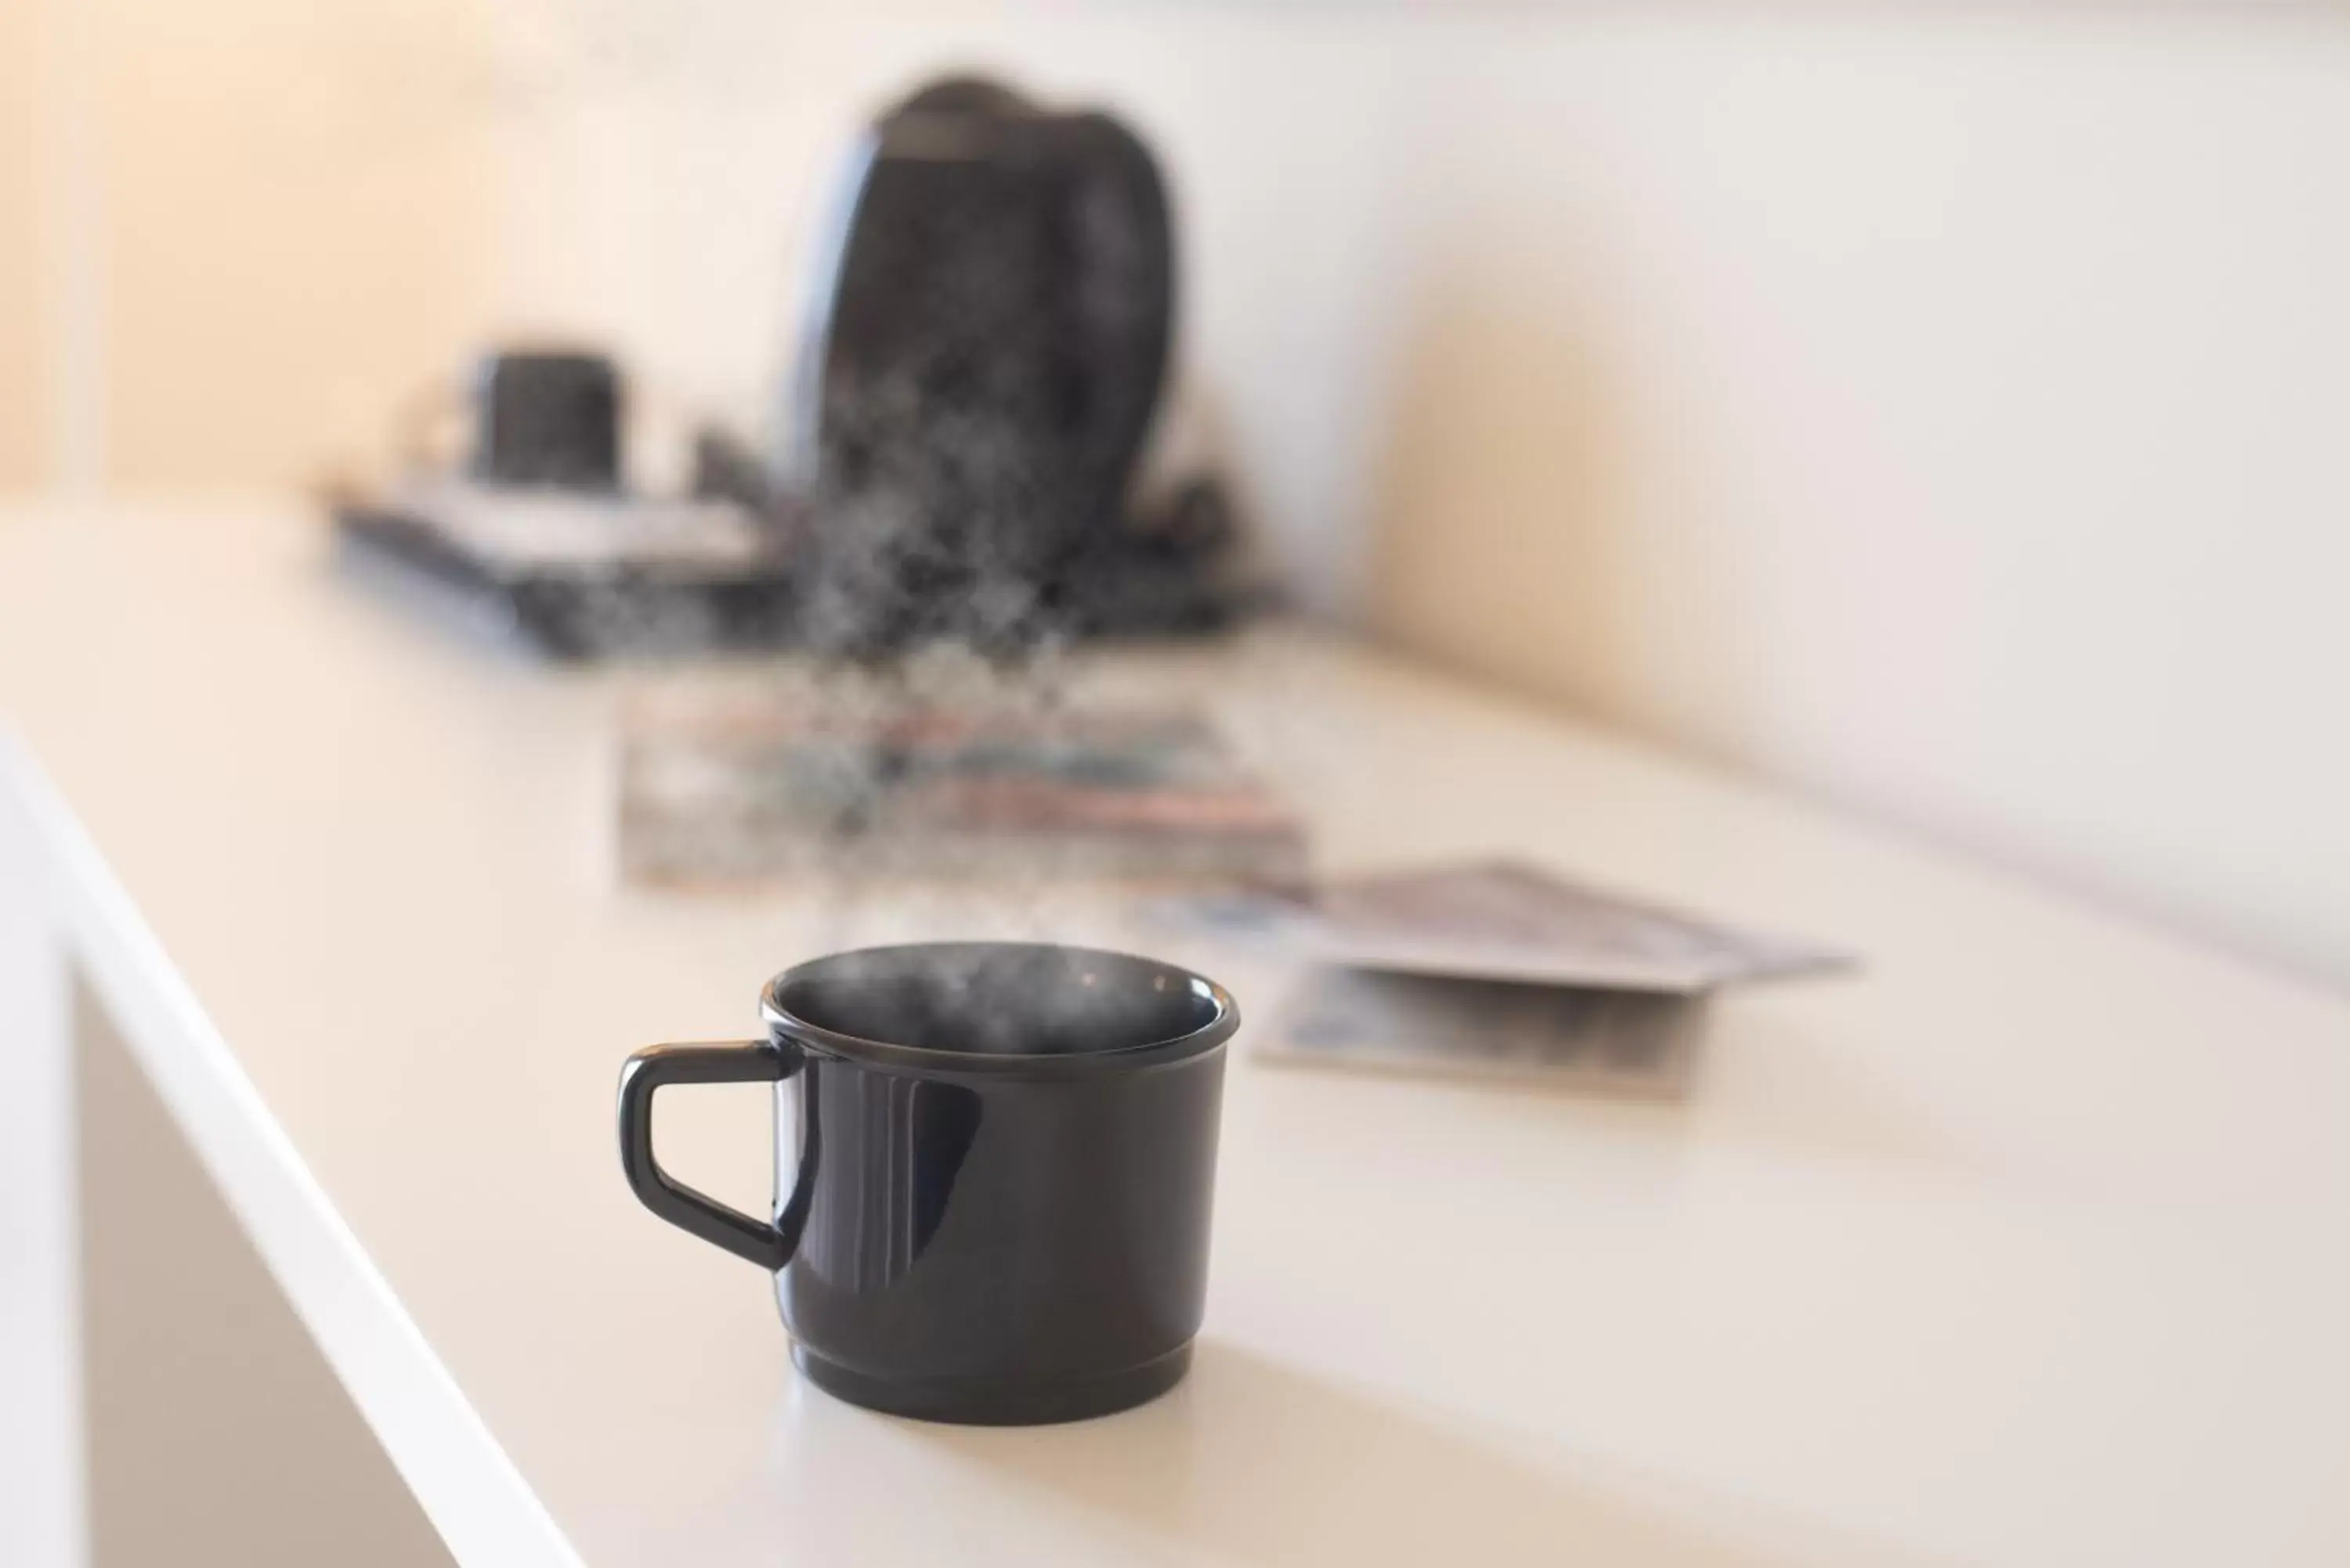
(1499, 969)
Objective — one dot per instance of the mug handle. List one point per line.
(734, 1062)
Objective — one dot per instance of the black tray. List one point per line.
(583, 610)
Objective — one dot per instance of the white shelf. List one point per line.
(2022, 1247)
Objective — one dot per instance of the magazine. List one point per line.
(733, 791)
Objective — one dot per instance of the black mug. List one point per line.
(996, 1206)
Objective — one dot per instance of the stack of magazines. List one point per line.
(728, 792)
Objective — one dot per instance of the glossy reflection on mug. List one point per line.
(878, 1214)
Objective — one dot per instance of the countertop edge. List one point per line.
(471, 1490)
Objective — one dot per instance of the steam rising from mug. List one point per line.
(998, 1000)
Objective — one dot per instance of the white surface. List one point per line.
(2023, 1247)
(522, 530)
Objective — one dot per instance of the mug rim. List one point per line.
(782, 1024)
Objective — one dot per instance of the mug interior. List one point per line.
(999, 999)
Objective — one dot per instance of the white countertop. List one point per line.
(2025, 1246)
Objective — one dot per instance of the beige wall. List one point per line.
(1935, 407)
(24, 391)
(277, 214)
(293, 207)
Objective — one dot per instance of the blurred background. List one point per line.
(1936, 407)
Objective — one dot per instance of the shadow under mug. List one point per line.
(992, 1203)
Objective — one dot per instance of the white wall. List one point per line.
(1946, 414)
(23, 413)
(1933, 406)
(1940, 410)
